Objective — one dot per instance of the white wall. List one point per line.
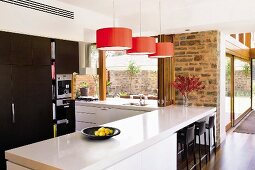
(27, 21)
(223, 115)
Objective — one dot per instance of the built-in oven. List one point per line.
(65, 117)
(64, 86)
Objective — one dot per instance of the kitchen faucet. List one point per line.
(142, 100)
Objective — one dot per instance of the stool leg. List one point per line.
(182, 153)
(214, 140)
(186, 154)
(194, 153)
(205, 146)
(199, 152)
(209, 134)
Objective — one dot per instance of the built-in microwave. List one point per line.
(64, 86)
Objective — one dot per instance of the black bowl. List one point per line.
(90, 133)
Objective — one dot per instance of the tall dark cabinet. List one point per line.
(67, 57)
(26, 92)
(66, 62)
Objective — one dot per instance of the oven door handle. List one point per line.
(62, 121)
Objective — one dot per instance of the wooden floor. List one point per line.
(236, 153)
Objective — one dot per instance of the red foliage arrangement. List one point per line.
(185, 85)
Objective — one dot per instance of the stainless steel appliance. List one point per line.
(65, 116)
(64, 85)
(64, 113)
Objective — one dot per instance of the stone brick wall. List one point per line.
(145, 82)
(198, 54)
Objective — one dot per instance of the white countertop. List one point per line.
(120, 104)
(75, 152)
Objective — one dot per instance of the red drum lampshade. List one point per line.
(143, 46)
(163, 50)
(114, 39)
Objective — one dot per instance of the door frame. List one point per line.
(233, 121)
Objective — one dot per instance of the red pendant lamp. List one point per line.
(142, 45)
(114, 38)
(163, 49)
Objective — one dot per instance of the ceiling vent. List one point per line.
(42, 7)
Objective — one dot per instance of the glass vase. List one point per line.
(185, 101)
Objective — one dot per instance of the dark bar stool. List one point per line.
(199, 131)
(209, 126)
(186, 137)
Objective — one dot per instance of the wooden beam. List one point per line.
(233, 35)
(102, 75)
(242, 38)
(248, 40)
(252, 52)
(172, 79)
(236, 48)
(165, 77)
(161, 92)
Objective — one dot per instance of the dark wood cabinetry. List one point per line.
(41, 51)
(5, 48)
(6, 111)
(21, 49)
(26, 92)
(32, 103)
(67, 57)
(26, 87)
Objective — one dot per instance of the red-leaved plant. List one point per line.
(185, 85)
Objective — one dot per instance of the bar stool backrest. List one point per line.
(201, 127)
(190, 134)
(211, 121)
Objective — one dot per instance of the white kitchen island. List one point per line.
(147, 142)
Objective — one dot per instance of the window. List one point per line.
(132, 75)
(128, 74)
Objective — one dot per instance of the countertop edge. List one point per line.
(27, 163)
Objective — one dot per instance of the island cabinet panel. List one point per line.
(67, 57)
(160, 156)
(132, 163)
(41, 48)
(5, 48)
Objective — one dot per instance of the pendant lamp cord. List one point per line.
(159, 5)
(113, 12)
(140, 18)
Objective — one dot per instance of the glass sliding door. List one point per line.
(253, 84)
(228, 93)
(242, 88)
(238, 89)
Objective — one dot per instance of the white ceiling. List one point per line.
(230, 16)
